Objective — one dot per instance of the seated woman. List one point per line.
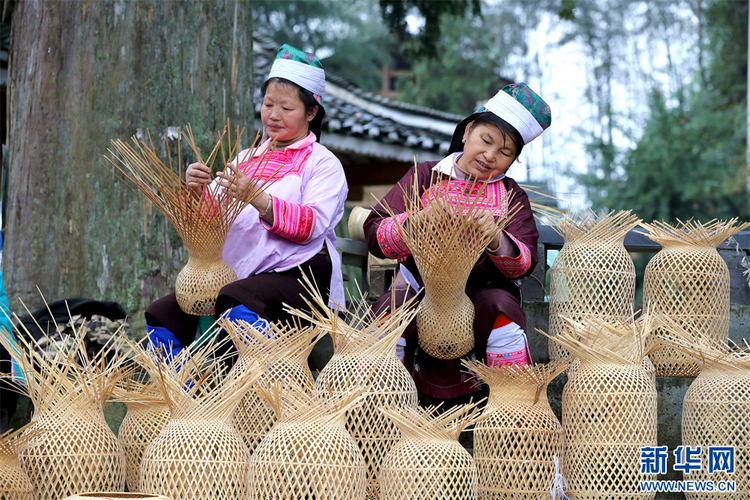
(484, 146)
(284, 231)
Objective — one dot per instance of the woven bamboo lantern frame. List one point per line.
(74, 449)
(116, 496)
(593, 276)
(147, 415)
(199, 454)
(429, 462)
(203, 222)
(446, 241)
(609, 411)
(717, 403)
(364, 358)
(14, 483)
(516, 445)
(689, 282)
(308, 453)
(254, 417)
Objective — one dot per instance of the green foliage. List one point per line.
(425, 44)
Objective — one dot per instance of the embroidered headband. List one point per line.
(522, 108)
(301, 68)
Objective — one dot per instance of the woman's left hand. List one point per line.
(237, 183)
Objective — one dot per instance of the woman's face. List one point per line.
(487, 151)
(283, 114)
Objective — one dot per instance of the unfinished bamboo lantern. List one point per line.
(14, 483)
(147, 415)
(254, 417)
(202, 221)
(308, 453)
(428, 462)
(689, 282)
(199, 455)
(716, 405)
(364, 358)
(446, 240)
(609, 411)
(74, 449)
(516, 446)
(116, 496)
(593, 276)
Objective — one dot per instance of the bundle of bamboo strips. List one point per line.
(516, 446)
(365, 358)
(429, 462)
(308, 453)
(254, 417)
(446, 230)
(689, 282)
(147, 415)
(202, 221)
(75, 450)
(609, 410)
(716, 405)
(14, 483)
(198, 455)
(593, 276)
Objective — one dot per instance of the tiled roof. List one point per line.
(356, 119)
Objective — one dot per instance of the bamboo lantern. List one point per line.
(199, 455)
(254, 417)
(716, 405)
(593, 276)
(516, 446)
(14, 483)
(429, 462)
(364, 357)
(308, 453)
(75, 449)
(689, 282)
(203, 222)
(147, 415)
(609, 410)
(116, 496)
(446, 240)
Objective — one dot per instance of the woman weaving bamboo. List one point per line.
(286, 229)
(484, 146)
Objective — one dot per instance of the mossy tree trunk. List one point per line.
(82, 73)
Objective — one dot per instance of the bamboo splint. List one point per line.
(14, 483)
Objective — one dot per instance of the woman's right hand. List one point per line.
(197, 175)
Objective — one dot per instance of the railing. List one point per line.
(732, 250)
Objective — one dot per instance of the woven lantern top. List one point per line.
(431, 423)
(528, 382)
(693, 233)
(588, 227)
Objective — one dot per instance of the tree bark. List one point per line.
(82, 73)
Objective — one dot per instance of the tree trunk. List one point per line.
(82, 73)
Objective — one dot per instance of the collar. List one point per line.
(449, 166)
(301, 144)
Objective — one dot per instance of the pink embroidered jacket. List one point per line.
(309, 194)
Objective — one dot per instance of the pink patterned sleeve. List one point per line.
(292, 221)
(390, 239)
(512, 267)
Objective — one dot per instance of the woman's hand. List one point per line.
(197, 175)
(486, 221)
(237, 184)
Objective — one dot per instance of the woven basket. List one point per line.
(609, 411)
(689, 282)
(365, 358)
(199, 454)
(428, 462)
(516, 445)
(203, 222)
(74, 449)
(142, 423)
(446, 240)
(716, 405)
(356, 223)
(593, 276)
(308, 453)
(14, 483)
(254, 417)
(116, 496)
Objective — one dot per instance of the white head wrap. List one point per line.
(306, 76)
(516, 114)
